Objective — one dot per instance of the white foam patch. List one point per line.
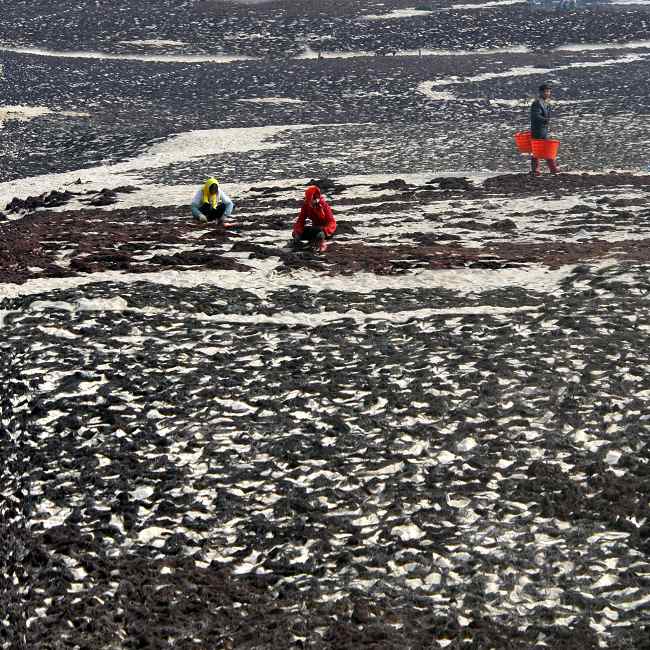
(468, 443)
(84, 304)
(408, 532)
(524, 103)
(262, 281)
(148, 58)
(482, 51)
(142, 492)
(587, 47)
(512, 72)
(526, 71)
(206, 142)
(56, 331)
(21, 113)
(187, 146)
(156, 42)
(153, 535)
(399, 13)
(284, 318)
(326, 54)
(490, 3)
(51, 514)
(184, 146)
(413, 11)
(273, 100)
(426, 88)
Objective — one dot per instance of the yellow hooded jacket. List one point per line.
(212, 199)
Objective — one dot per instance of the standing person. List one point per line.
(211, 203)
(540, 117)
(316, 210)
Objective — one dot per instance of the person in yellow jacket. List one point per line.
(211, 203)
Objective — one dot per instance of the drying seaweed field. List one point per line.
(434, 435)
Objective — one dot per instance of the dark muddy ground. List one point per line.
(268, 466)
(378, 119)
(433, 436)
(282, 29)
(395, 126)
(467, 227)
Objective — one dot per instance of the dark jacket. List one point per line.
(540, 116)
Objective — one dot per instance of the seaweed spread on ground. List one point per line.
(307, 458)
(481, 231)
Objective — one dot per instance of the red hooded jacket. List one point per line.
(321, 216)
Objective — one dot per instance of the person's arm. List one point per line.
(537, 114)
(330, 223)
(229, 205)
(299, 226)
(196, 205)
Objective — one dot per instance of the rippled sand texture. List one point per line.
(435, 435)
(446, 444)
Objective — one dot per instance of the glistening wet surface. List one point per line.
(296, 463)
(435, 435)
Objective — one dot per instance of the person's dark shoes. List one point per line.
(315, 242)
(319, 246)
(535, 167)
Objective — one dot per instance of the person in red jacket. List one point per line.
(315, 223)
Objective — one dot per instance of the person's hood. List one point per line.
(212, 200)
(311, 193)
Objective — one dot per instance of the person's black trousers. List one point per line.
(213, 214)
(312, 233)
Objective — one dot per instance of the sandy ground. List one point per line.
(434, 435)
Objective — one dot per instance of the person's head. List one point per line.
(211, 191)
(545, 91)
(312, 196)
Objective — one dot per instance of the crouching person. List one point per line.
(211, 203)
(316, 222)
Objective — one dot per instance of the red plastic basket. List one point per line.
(522, 140)
(545, 149)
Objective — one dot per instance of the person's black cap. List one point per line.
(544, 87)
